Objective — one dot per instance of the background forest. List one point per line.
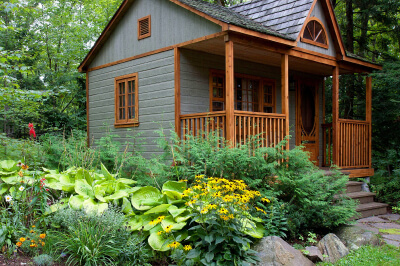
(42, 42)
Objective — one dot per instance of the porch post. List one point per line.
(368, 116)
(285, 92)
(229, 92)
(335, 115)
(177, 71)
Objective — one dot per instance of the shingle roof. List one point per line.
(284, 16)
(232, 16)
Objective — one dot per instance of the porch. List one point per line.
(300, 105)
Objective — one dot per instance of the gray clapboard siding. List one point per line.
(156, 98)
(170, 24)
(318, 13)
(195, 71)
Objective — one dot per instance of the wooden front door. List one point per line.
(307, 117)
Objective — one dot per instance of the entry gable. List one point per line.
(320, 31)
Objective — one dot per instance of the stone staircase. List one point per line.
(367, 207)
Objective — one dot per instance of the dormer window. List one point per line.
(144, 27)
(314, 33)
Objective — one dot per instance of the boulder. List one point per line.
(314, 254)
(331, 246)
(354, 237)
(274, 251)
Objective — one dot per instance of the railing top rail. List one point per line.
(352, 121)
(207, 114)
(259, 114)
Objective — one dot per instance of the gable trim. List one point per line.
(302, 39)
(306, 20)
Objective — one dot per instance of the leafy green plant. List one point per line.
(387, 186)
(43, 260)
(90, 239)
(221, 229)
(273, 217)
(31, 243)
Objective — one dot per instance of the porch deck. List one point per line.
(270, 129)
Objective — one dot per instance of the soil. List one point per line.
(21, 260)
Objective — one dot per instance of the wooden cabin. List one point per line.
(253, 68)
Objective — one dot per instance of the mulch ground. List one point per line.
(21, 260)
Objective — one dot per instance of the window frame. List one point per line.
(125, 79)
(262, 82)
(140, 37)
(315, 43)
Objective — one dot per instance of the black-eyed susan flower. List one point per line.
(265, 200)
(168, 228)
(187, 247)
(223, 211)
(160, 233)
(174, 244)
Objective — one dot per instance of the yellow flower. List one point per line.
(174, 244)
(223, 211)
(160, 233)
(33, 245)
(205, 210)
(20, 174)
(19, 244)
(211, 206)
(224, 217)
(160, 218)
(168, 229)
(266, 200)
(42, 244)
(32, 232)
(183, 180)
(24, 167)
(33, 241)
(33, 226)
(187, 247)
(42, 236)
(22, 239)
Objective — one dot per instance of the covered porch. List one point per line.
(300, 102)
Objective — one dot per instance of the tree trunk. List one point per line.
(350, 26)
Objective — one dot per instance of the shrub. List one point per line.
(386, 186)
(43, 260)
(90, 239)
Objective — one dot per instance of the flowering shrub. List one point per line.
(32, 243)
(224, 227)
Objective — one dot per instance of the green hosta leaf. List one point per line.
(174, 189)
(76, 202)
(156, 229)
(159, 209)
(183, 217)
(159, 243)
(143, 197)
(83, 188)
(49, 171)
(8, 165)
(106, 174)
(91, 206)
(175, 211)
(12, 180)
(118, 195)
(84, 174)
(126, 207)
(7, 173)
(63, 203)
(53, 184)
(135, 223)
(4, 188)
(256, 231)
(99, 193)
(170, 221)
(126, 181)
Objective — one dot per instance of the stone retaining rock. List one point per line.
(354, 237)
(314, 254)
(274, 251)
(331, 246)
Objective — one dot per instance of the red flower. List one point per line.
(32, 132)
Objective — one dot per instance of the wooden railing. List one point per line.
(202, 123)
(354, 148)
(269, 128)
(327, 144)
(354, 144)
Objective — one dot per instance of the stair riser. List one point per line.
(365, 199)
(350, 189)
(373, 212)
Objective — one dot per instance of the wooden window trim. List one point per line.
(262, 80)
(302, 39)
(139, 27)
(127, 122)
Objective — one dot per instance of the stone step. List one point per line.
(372, 209)
(362, 197)
(353, 186)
